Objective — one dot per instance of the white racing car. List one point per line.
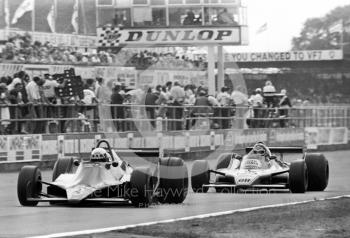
(106, 177)
(261, 169)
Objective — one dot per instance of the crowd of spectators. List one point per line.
(268, 107)
(34, 105)
(22, 49)
(183, 106)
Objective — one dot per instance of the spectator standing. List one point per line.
(256, 101)
(177, 94)
(224, 97)
(190, 98)
(225, 102)
(117, 109)
(162, 101)
(33, 91)
(16, 112)
(189, 19)
(226, 18)
(168, 86)
(284, 106)
(98, 88)
(150, 102)
(202, 106)
(269, 92)
(90, 100)
(240, 99)
(49, 87)
(4, 109)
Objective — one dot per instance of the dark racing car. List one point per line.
(106, 177)
(263, 168)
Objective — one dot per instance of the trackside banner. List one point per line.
(117, 37)
(316, 136)
(307, 55)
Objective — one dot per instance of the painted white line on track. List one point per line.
(117, 228)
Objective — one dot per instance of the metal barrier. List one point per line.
(300, 117)
(67, 118)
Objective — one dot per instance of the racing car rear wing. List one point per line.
(281, 149)
(148, 152)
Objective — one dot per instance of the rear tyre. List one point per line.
(318, 169)
(62, 166)
(199, 176)
(173, 185)
(224, 161)
(29, 185)
(298, 176)
(141, 188)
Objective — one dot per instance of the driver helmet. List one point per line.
(261, 149)
(100, 154)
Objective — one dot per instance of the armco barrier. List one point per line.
(316, 137)
(49, 147)
(43, 150)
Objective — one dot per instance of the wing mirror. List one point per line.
(273, 157)
(238, 157)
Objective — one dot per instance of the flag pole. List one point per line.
(7, 18)
(342, 36)
(33, 17)
(55, 14)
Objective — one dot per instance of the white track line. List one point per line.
(117, 228)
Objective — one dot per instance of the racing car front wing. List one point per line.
(88, 200)
(258, 186)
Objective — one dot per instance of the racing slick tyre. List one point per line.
(141, 187)
(62, 166)
(298, 176)
(318, 169)
(200, 175)
(29, 185)
(173, 185)
(224, 161)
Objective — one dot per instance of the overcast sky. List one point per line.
(284, 18)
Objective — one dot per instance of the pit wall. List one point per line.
(43, 150)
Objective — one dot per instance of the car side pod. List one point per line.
(200, 175)
(29, 185)
(298, 176)
(62, 166)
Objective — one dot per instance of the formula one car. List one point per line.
(106, 177)
(261, 169)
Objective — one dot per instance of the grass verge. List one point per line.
(329, 218)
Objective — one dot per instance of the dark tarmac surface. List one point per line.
(18, 221)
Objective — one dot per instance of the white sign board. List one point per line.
(308, 55)
(116, 37)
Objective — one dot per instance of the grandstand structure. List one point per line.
(155, 23)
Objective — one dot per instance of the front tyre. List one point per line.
(200, 176)
(29, 185)
(298, 176)
(141, 187)
(173, 184)
(318, 169)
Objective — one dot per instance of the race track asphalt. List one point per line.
(18, 221)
